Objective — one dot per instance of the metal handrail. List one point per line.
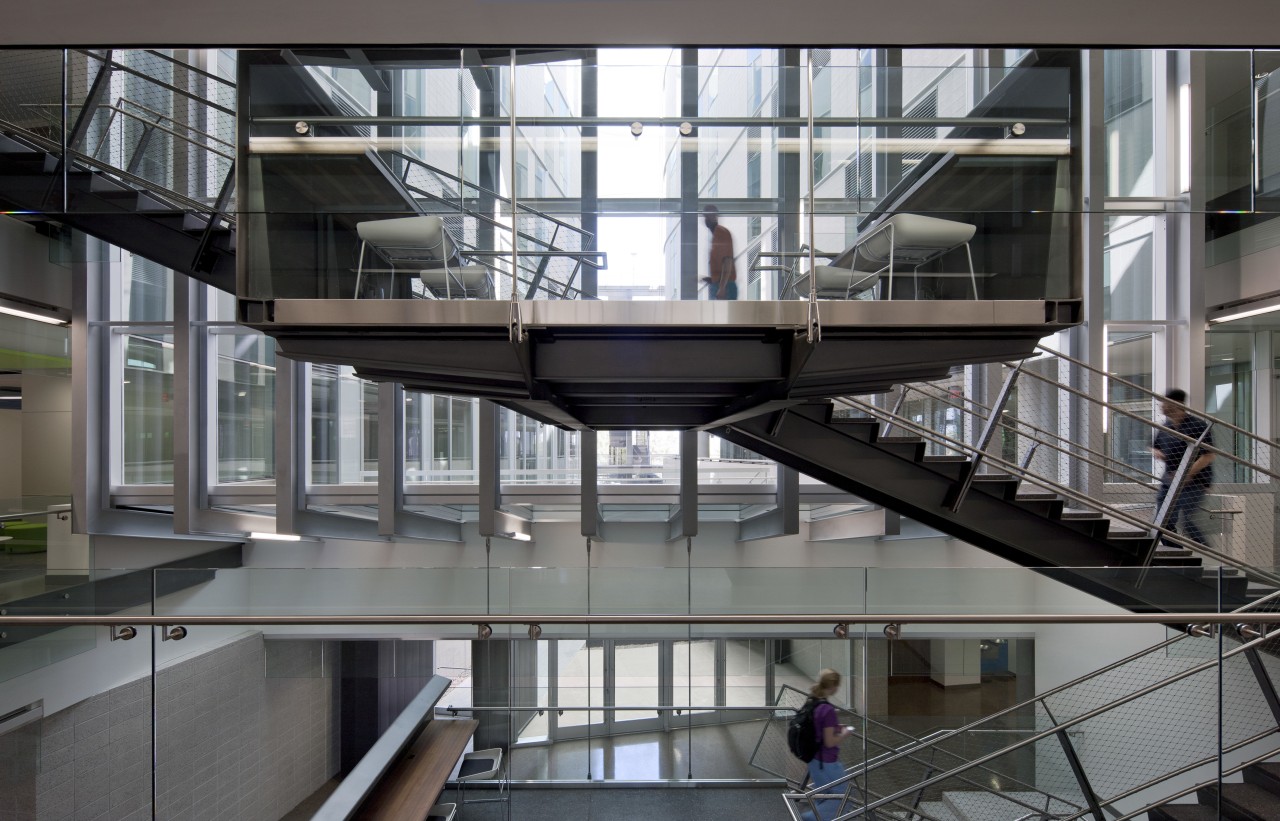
(117, 109)
(55, 148)
(1186, 768)
(161, 83)
(1153, 395)
(12, 517)
(926, 741)
(682, 619)
(1068, 492)
(1012, 426)
(1212, 420)
(1231, 771)
(1057, 728)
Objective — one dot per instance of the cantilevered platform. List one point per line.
(602, 365)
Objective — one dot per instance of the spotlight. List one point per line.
(484, 631)
(841, 630)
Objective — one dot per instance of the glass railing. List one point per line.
(1041, 701)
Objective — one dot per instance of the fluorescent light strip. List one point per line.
(275, 537)
(45, 318)
(1184, 138)
(1247, 312)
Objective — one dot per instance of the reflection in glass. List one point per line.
(246, 407)
(147, 403)
(344, 427)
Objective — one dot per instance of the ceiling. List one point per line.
(638, 22)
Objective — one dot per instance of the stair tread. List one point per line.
(953, 457)
(1185, 812)
(1253, 798)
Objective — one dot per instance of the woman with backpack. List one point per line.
(825, 766)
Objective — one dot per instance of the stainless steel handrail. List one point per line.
(180, 199)
(666, 122)
(10, 517)
(1189, 790)
(780, 619)
(1152, 395)
(1065, 491)
(1186, 768)
(1120, 466)
(1057, 728)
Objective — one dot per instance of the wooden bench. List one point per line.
(411, 786)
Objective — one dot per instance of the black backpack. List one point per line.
(802, 735)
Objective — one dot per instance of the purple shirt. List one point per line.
(824, 715)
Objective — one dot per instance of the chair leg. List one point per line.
(973, 277)
(359, 269)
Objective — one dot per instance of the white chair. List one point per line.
(480, 765)
(424, 244)
(442, 812)
(909, 240)
(836, 283)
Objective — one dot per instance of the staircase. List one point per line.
(1256, 798)
(119, 176)
(1024, 510)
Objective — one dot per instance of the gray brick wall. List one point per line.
(245, 732)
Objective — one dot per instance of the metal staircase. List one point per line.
(1065, 506)
(1118, 743)
(141, 155)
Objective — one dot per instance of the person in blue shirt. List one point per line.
(1169, 449)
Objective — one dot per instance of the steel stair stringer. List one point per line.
(895, 473)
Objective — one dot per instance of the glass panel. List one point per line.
(1229, 397)
(1128, 261)
(746, 669)
(440, 439)
(635, 678)
(1130, 357)
(1266, 89)
(638, 457)
(694, 677)
(246, 368)
(579, 681)
(344, 427)
(531, 452)
(147, 402)
(1129, 110)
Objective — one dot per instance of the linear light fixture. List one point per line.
(40, 313)
(1244, 310)
(275, 537)
(1184, 138)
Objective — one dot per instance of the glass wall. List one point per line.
(615, 156)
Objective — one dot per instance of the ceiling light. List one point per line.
(1244, 310)
(40, 313)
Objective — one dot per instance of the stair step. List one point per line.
(949, 457)
(104, 186)
(149, 203)
(1183, 812)
(12, 146)
(1000, 485)
(1265, 775)
(1081, 514)
(1244, 802)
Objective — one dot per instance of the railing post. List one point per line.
(956, 497)
(1189, 455)
(1069, 750)
(897, 406)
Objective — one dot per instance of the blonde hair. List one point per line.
(828, 682)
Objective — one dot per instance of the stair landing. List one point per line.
(654, 365)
